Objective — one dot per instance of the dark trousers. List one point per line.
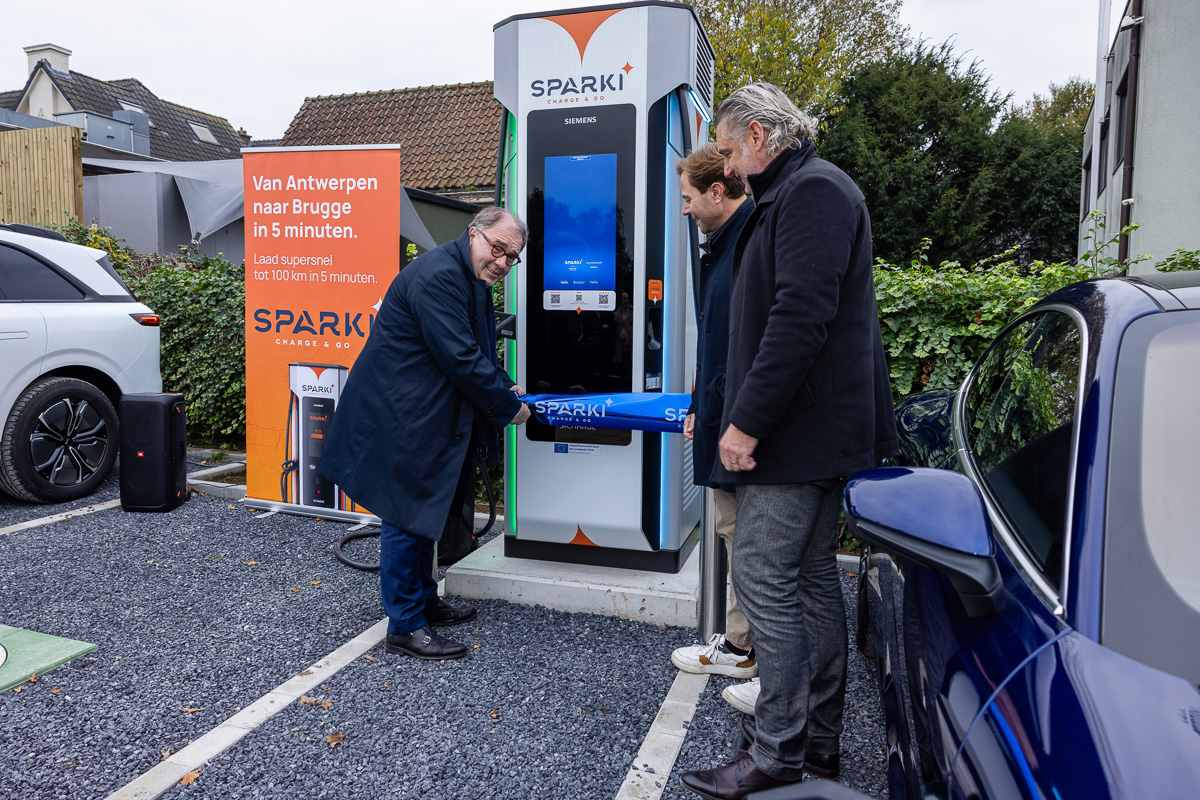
(406, 579)
(786, 578)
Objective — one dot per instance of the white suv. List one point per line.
(72, 341)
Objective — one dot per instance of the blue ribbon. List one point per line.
(634, 411)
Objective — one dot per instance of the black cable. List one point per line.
(367, 566)
(290, 464)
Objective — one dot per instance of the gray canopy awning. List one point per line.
(212, 193)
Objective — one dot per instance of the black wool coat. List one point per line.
(400, 432)
(807, 375)
(712, 346)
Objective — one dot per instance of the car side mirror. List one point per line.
(810, 790)
(506, 325)
(935, 518)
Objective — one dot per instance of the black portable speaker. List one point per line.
(153, 452)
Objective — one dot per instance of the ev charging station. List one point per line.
(598, 105)
(315, 390)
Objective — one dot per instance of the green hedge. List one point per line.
(202, 304)
(936, 321)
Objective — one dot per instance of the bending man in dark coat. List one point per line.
(425, 387)
(807, 401)
(718, 204)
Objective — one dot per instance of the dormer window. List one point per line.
(137, 108)
(203, 133)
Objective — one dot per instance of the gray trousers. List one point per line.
(787, 582)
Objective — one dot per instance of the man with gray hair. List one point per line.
(424, 394)
(807, 401)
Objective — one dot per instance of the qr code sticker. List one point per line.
(556, 297)
(604, 298)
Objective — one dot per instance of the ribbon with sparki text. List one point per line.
(632, 411)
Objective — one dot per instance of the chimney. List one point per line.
(245, 137)
(57, 56)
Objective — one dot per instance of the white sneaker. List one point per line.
(742, 696)
(714, 659)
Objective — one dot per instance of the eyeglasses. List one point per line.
(498, 250)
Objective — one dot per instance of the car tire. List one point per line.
(59, 443)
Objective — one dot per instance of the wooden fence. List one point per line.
(41, 175)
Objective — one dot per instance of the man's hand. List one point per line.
(522, 415)
(736, 450)
(519, 391)
(689, 426)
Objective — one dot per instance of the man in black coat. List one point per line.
(807, 401)
(718, 204)
(425, 388)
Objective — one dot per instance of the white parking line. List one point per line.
(652, 768)
(158, 779)
(79, 512)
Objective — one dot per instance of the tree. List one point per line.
(1064, 110)
(914, 131)
(804, 47)
(939, 154)
(1036, 189)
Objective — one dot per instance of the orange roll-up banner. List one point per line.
(322, 246)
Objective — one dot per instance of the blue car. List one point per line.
(1030, 588)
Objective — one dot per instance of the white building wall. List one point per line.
(1166, 176)
(43, 99)
(1166, 138)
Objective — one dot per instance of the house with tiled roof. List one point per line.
(448, 134)
(121, 114)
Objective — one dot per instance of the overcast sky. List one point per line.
(254, 61)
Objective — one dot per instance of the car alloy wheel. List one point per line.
(68, 442)
(59, 442)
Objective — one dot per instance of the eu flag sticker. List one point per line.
(560, 448)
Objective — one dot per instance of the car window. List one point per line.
(1170, 439)
(1020, 414)
(23, 277)
(1151, 600)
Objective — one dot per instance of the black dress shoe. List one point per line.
(820, 765)
(424, 643)
(733, 781)
(443, 615)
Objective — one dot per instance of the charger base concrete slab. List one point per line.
(654, 597)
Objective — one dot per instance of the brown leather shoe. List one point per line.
(819, 765)
(733, 781)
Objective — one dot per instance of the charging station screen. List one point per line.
(580, 256)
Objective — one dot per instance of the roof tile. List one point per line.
(448, 133)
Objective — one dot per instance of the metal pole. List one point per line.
(713, 571)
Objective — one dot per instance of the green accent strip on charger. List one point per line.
(29, 652)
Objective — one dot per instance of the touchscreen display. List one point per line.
(580, 269)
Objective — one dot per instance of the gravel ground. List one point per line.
(183, 622)
(716, 732)
(546, 705)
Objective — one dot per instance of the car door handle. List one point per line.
(14, 334)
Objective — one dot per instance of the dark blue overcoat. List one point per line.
(712, 346)
(400, 433)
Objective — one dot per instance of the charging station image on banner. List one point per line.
(322, 247)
